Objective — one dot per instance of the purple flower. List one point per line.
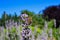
(26, 32)
(24, 16)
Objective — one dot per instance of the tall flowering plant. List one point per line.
(26, 32)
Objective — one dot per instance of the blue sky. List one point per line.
(11, 6)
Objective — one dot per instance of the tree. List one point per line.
(4, 18)
(15, 17)
(53, 12)
(27, 12)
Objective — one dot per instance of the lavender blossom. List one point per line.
(26, 33)
(24, 16)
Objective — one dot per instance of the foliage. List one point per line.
(37, 19)
(50, 24)
(53, 12)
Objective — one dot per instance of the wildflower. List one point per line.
(24, 16)
(26, 33)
